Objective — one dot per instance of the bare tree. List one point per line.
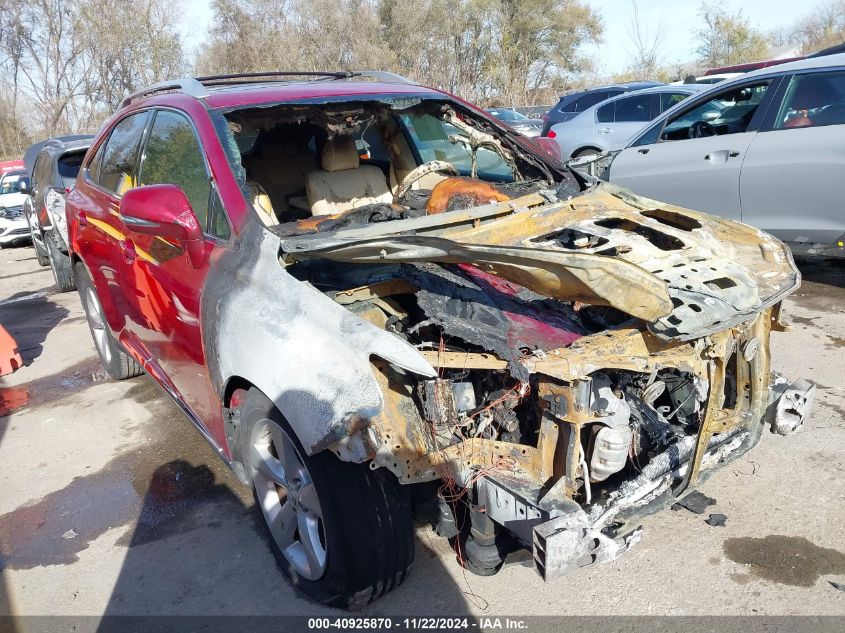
(647, 54)
(822, 27)
(539, 40)
(13, 135)
(727, 38)
(129, 45)
(255, 35)
(47, 58)
(480, 49)
(441, 43)
(71, 61)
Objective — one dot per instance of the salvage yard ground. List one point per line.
(112, 503)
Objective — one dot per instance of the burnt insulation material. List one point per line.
(480, 313)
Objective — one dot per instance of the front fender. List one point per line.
(305, 352)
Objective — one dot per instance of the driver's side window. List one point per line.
(173, 156)
(728, 112)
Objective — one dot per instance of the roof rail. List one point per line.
(382, 75)
(188, 85)
(212, 80)
(196, 86)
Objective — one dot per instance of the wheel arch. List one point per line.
(112, 314)
(306, 353)
(585, 147)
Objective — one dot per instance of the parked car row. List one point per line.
(756, 146)
(611, 123)
(574, 103)
(519, 122)
(53, 165)
(763, 148)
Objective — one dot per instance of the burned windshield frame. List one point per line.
(528, 160)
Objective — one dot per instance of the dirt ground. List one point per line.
(112, 503)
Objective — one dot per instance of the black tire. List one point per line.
(366, 518)
(40, 254)
(586, 151)
(116, 362)
(60, 264)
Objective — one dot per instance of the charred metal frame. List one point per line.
(699, 292)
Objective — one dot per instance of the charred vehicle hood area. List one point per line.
(544, 356)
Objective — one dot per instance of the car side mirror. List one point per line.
(164, 211)
(23, 189)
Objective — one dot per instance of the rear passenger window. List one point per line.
(813, 100)
(589, 100)
(568, 107)
(118, 167)
(669, 99)
(173, 156)
(41, 172)
(95, 162)
(636, 109)
(68, 166)
(606, 113)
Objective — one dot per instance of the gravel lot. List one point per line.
(112, 503)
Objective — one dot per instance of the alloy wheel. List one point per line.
(98, 325)
(288, 499)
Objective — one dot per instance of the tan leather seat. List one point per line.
(343, 183)
(280, 169)
(261, 203)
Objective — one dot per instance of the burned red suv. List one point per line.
(380, 305)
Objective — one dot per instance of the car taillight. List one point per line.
(551, 134)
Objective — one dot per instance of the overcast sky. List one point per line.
(679, 19)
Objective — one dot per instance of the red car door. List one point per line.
(98, 230)
(164, 285)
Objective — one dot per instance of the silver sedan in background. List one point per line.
(518, 122)
(774, 156)
(609, 125)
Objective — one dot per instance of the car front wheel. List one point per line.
(40, 252)
(116, 362)
(342, 532)
(59, 264)
(587, 151)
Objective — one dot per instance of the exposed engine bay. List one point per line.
(563, 355)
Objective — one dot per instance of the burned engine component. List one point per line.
(461, 193)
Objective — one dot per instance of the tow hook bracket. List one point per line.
(563, 544)
(791, 405)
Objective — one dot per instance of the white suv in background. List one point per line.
(13, 224)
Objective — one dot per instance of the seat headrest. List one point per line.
(339, 154)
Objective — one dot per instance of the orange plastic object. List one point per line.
(10, 359)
